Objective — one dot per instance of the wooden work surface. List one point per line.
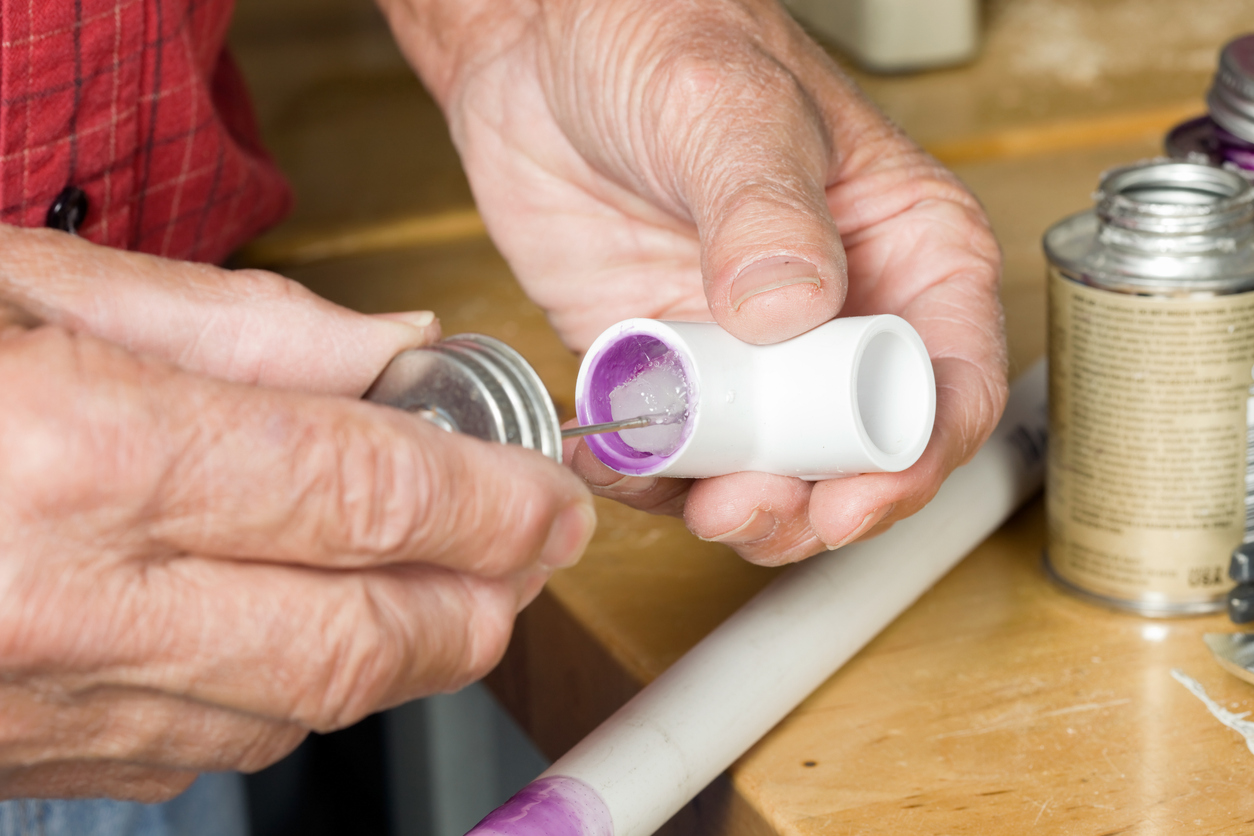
(997, 704)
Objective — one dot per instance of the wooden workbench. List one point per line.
(997, 704)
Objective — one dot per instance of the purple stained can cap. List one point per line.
(553, 806)
(1225, 135)
(1230, 99)
(1203, 140)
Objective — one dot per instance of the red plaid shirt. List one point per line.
(137, 103)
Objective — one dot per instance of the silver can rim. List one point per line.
(526, 379)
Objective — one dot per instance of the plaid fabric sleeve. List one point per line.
(137, 103)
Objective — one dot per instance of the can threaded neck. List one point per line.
(1167, 206)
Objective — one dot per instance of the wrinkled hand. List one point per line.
(203, 553)
(706, 159)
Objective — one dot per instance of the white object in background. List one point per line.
(640, 766)
(895, 35)
(854, 395)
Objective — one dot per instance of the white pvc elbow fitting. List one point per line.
(855, 395)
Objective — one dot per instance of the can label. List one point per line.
(1148, 401)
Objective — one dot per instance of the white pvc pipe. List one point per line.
(854, 395)
(640, 766)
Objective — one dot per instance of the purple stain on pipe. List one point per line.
(553, 806)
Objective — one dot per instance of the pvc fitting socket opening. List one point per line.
(617, 364)
(892, 387)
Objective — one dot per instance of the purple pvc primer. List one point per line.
(553, 806)
(614, 364)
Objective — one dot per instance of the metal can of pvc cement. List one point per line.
(1151, 357)
(476, 385)
(1225, 135)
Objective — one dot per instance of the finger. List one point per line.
(763, 517)
(72, 779)
(751, 156)
(347, 484)
(528, 586)
(424, 321)
(180, 463)
(644, 493)
(44, 721)
(936, 263)
(968, 403)
(317, 648)
(773, 520)
(248, 325)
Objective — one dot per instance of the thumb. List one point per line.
(771, 255)
(247, 326)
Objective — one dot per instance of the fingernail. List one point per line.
(772, 274)
(569, 536)
(418, 319)
(760, 524)
(868, 522)
(627, 484)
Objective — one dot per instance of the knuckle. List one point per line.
(391, 655)
(375, 487)
(239, 338)
(253, 285)
(724, 110)
(499, 526)
(727, 86)
(73, 438)
(516, 524)
(395, 492)
(367, 646)
(694, 78)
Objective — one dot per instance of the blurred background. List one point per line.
(1027, 100)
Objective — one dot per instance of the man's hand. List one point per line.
(204, 552)
(703, 160)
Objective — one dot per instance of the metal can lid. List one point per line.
(475, 385)
(1231, 96)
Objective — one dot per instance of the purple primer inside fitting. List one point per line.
(615, 364)
(553, 806)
